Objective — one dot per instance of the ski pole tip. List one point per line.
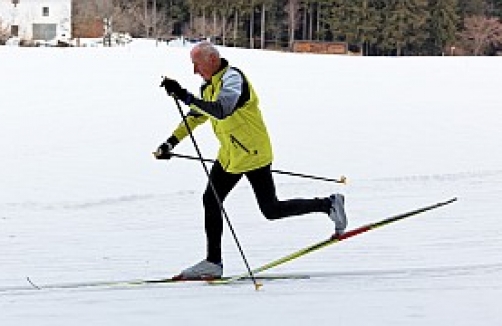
(257, 286)
(343, 179)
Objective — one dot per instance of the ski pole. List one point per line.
(218, 200)
(301, 175)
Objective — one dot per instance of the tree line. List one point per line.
(371, 27)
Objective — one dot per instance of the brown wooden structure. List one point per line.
(321, 47)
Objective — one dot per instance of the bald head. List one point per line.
(206, 59)
(206, 49)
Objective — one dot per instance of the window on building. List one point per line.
(14, 30)
(45, 11)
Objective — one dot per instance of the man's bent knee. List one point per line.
(271, 214)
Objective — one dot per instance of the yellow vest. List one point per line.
(244, 140)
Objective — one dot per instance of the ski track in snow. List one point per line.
(403, 265)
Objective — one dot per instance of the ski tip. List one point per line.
(449, 201)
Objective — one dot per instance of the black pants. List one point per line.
(264, 188)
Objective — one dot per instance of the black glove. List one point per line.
(164, 152)
(174, 88)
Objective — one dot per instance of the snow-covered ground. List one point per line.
(82, 199)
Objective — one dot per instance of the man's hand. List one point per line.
(173, 88)
(164, 151)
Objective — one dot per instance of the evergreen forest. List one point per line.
(369, 27)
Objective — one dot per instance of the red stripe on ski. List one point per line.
(350, 233)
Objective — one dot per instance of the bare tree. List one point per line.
(137, 17)
(89, 15)
(262, 24)
(140, 19)
(198, 16)
(292, 9)
(4, 32)
(140, 14)
(225, 9)
(480, 33)
(266, 5)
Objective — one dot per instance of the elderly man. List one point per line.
(229, 102)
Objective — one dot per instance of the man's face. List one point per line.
(203, 66)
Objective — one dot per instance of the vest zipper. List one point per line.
(235, 141)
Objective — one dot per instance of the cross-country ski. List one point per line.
(332, 240)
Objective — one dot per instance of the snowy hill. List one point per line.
(83, 199)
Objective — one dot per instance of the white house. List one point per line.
(37, 19)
